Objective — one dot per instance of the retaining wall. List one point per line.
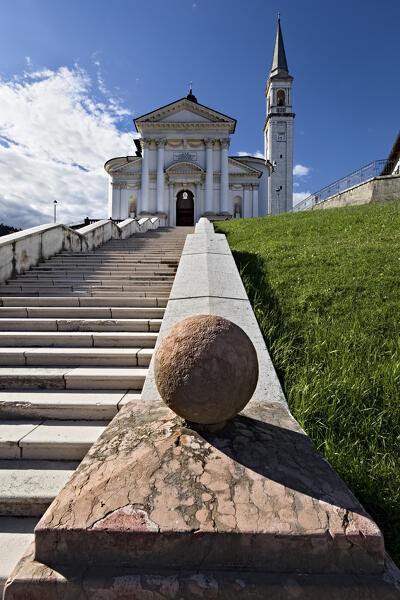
(378, 189)
(25, 249)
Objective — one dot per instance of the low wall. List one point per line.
(161, 508)
(378, 189)
(25, 249)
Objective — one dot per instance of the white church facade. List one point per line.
(182, 169)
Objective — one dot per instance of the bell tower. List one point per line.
(278, 131)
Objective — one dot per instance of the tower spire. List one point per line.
(279, 64)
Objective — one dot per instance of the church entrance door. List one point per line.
(185, 208)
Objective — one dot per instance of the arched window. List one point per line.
(281, 98)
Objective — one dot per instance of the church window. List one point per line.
(281, 98)
(237, 207)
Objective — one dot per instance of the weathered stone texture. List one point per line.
(206, 369)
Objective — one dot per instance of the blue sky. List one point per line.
(73, 75)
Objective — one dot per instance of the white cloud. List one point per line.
(301, 170)
(257, 154)
(55, 137)
(299, 196)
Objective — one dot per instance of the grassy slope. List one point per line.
(325, 288)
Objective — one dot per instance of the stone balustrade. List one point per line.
(25, 249)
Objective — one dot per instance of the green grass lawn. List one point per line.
(325, 288)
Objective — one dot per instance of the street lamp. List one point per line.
(55, 211)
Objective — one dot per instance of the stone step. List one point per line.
(122, 262)
(83, 301)
(81, 283)
(95, 357)
(47, 440)
(100, 405)
(118, 267)
(96, 274)
(72, 378)
(76, 312)
(16, 533)
(63, 339)
(28, 280)
(35, 324)
(27, 487)
(43, 288)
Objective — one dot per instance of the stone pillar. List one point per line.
(255, 200)
(144, 196)
(172, 205)
(209, 176)
(160, 175)
(247, 212)
(224, 177)
(116, 200)
(197, 202)
(123, 213)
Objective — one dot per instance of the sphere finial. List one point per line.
(206, 369)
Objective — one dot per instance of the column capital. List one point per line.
(116, 184)
(225, 143)
(145, 142)
(209, 142)
(160, 142)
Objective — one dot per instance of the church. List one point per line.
(182, 169)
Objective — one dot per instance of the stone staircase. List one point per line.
(77, 334)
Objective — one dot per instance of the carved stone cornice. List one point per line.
(118, 175)
(199, 126)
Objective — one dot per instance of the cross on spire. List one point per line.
(279, 63)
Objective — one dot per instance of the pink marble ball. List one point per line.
(206, 369)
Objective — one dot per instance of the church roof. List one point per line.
(279, 67)
(168, 116)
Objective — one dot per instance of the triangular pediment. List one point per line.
(185, 111)
(238, 168)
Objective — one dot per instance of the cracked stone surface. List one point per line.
(126, 584)
(154, 492)
(206, 369)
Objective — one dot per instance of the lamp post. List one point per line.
(55, 211)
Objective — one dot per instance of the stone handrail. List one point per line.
(25, 249)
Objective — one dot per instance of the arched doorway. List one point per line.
(185, 208)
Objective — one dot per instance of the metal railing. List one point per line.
(374, 169)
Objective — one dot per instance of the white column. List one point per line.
(209, 176)
(172, 207)
(160, 175)
(123, 213)
(144, 196)
(246, 201)
(255, 200)
(197, 203)
(224, 177)
(116, 200)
